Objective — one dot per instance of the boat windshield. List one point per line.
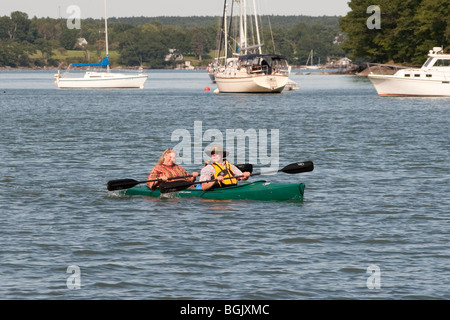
(426, 64)
(442, 63)
(266, 63)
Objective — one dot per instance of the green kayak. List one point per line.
(258, 190)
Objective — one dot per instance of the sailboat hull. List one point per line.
(103, 80)
(252, 84)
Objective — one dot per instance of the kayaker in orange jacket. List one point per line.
(167, 168)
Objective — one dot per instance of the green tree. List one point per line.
(432, 26)
(361, 40)
(15, 54)
(142, 45)
(46, 48)
(409, 28)
(68, 38)
(19, 26)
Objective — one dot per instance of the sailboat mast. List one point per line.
(245, 25)
(106, 38)
(257, 28)
(225, 31)
(241, 27)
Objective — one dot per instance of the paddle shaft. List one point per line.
(291, 169)
(121, 184)
(129, 183)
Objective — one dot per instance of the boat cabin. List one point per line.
(437, 62)
(264, 63)
(437, 59)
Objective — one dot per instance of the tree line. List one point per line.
(408, 29)
(47, 42)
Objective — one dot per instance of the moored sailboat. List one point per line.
(250, 71)
(95, 79)
(311, 64)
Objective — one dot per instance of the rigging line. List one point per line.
(222, 28)
(251, 29)
(233, 49)
(271, 34)
(261, 28)
(259, 17)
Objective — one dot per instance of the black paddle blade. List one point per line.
(298, 167)
(174, 186)
(121, 184)
(246, 167)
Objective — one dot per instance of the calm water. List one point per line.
(379, 194)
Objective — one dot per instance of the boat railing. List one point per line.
(282, 70)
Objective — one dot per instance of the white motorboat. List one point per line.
(103, 79)
(432, 79)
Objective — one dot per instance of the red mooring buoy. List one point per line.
(207, 89)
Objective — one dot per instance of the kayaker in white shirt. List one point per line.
(220, 169)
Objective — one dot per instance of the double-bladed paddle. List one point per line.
(121, 184)
(292, 168)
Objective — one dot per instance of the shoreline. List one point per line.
(298, 71)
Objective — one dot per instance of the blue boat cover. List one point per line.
(102, 63)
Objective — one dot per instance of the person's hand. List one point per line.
(219, 178)
(245, 175)
(164, 178)
(195, 174)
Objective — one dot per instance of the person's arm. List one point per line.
(239, 173)
(155, 174)
(206, 174)
(152, 176)
(209, 185)
(245, 175)
(194, 176)
(185, 173)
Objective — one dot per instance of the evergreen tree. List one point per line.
(409, 28)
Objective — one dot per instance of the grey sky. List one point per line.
(152, 8)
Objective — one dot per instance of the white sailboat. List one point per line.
(432, 79)
(108, 79)
(311, 66)
(252, 72)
